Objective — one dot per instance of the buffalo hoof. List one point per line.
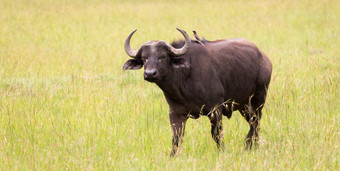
(251, 144)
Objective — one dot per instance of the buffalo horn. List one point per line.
(132, 53)
(184, 49)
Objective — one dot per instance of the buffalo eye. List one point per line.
(162, 57)
(145, 59)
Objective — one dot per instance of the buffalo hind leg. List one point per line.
(254, 123)
(253, 114)
(178, 127)
(217, 128)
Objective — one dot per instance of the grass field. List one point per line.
(65, 102)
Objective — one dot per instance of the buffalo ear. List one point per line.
(133, 64)
(180, 63)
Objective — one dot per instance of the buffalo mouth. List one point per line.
(151, 79)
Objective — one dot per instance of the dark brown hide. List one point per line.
(214, 79)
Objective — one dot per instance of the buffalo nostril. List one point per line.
(149, 73)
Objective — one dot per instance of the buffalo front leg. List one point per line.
(217, 128)
(178, 127)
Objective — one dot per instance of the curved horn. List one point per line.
(184, 49)
(132, 53)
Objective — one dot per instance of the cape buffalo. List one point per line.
(211, 78)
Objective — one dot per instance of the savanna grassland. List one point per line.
(65, 102)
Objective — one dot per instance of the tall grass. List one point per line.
(65, 102)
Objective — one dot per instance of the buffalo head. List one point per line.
(158, 57)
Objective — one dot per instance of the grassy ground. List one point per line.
(65, 102)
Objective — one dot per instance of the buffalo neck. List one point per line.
(174, 86)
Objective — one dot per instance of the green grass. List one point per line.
(65, 102)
